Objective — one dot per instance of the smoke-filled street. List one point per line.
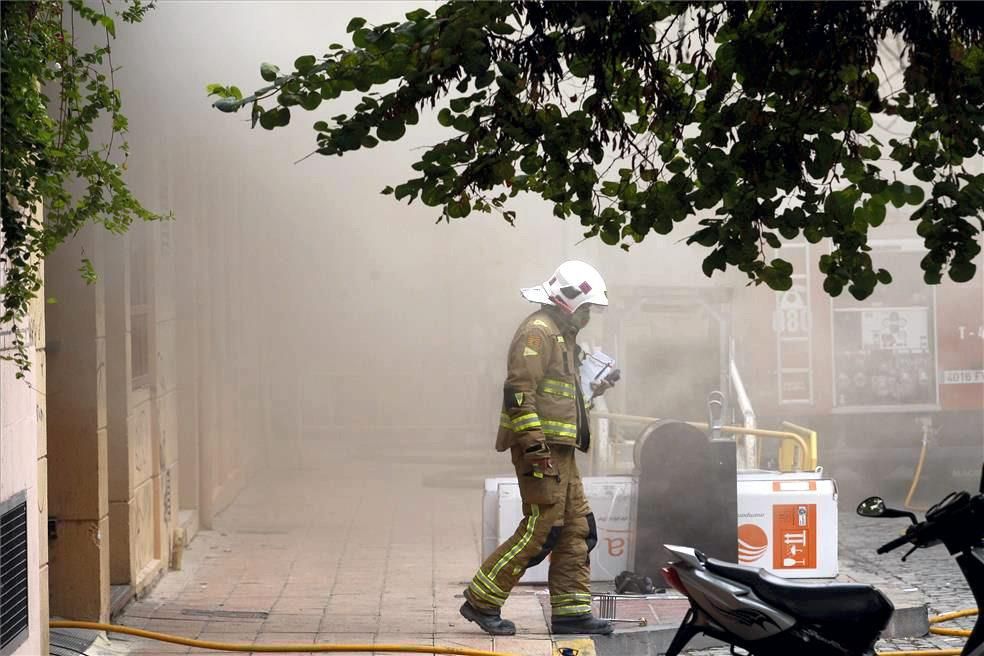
(491, 328)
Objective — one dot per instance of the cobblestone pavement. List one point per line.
(932, 572)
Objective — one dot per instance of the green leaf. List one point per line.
(108, 24)
(840, 204)
(311, 101)
(678, 165)
(530, 164)
(501, 27)
(269, 72)
(321, 126)
(716, 261)
(914, 195)
(876, 213)
(458, 209)
(460, 104)
(924, 173)
(962, 271)
(463, 123)
(579, 67)
(833, 286)
(445, 118)
(897, 193)
(305, 63)
(268, 120)
(414, 16)
(355, 24)
(391, 130)
(776, 280)
(227, 105)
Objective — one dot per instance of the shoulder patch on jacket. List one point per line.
(528, 352)
(534, 341)
(540, 322)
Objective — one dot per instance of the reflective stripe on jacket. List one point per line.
(541, 395)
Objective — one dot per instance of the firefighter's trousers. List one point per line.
(556, 522)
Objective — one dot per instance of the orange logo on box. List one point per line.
(752, 543)
(794, 534)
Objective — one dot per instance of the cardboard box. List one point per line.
(787, 524)
(796, 511)
(611, 499)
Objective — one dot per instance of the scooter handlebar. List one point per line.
(894, 544)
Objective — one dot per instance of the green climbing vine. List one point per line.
(56, 95)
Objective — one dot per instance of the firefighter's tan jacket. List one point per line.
(542, 402)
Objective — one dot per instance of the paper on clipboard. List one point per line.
(594, 368)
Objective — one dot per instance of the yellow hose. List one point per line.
(424, 649)
(241, 646)
(939, 619)
(916, 477)
(947, 617)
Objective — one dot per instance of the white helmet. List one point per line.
(572, 285)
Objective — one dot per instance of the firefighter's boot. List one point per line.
(490, 622)
(586, 624)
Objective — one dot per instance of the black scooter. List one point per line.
(769, 616)
(956, 522)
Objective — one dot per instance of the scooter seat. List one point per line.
(818, 603)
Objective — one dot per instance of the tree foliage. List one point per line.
(633, 116)
(50, 157)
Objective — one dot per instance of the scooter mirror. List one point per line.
(872, 507)
(875, 507)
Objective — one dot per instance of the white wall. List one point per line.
(22, 464)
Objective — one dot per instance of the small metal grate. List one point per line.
(226, 614)
(13, 573)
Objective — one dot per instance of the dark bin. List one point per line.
(687, 496)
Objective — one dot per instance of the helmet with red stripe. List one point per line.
(572, 285)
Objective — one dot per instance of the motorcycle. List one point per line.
(765, 615)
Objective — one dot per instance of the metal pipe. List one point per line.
(811, 437)
(750, 458)
(806, 461)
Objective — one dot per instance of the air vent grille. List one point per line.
(13, 574)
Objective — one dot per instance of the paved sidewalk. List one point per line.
(366, 554)
(379, 552)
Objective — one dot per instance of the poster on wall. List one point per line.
(884, 356)
(885, 346)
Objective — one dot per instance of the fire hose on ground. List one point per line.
(273, 648)
(941, 631)
(424, 649)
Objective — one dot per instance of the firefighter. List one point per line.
(543, 421)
